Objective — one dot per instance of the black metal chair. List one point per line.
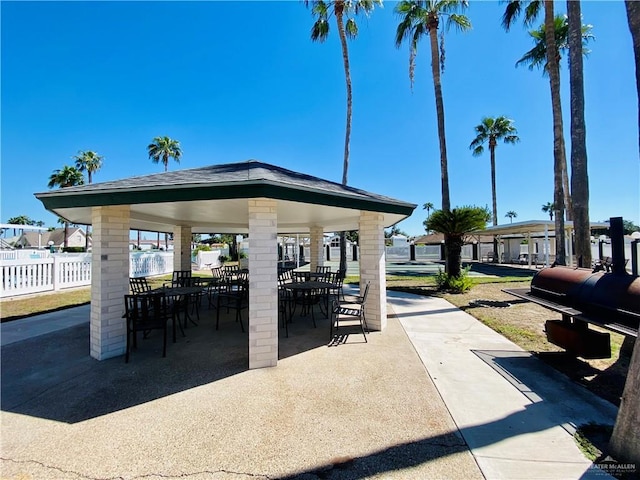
(232, 295)
(320, 269)
(144, 313)
(181, 278)
(139, 285)
(349, 311)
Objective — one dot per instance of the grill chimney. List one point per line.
(616, 232)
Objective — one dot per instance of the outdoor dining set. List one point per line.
(179, 301)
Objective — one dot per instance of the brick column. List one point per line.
(181, 248)
(372, 268)
(317, 252)
(263, 283)
(109, 280)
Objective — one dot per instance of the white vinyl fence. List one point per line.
(23, 276)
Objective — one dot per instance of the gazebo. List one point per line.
(252, 198)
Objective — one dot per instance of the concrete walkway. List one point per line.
(516, 414)
(384, 409)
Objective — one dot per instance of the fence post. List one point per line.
(55, 272)
(412, 252)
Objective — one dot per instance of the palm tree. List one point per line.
(162, 149)
(537, 57)
(511, 215)
(560, 179)
(90, 162)
(633, 18)
(549, 208)
(428, 207)
(341, 10)
(455, 224)
(492, 130)
(421, 18)
(67, 177)
(626, 426)
(579, 171)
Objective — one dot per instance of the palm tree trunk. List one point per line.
(625, 443)
(633, 17)
(66, 234)
(558, 138)
(579, 173)
(339, 6)
(437, 87)
(492, 150)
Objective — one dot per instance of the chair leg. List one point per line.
(164, 341)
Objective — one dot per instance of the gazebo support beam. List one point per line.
(372, 268)
(263, 283)
(109, 280)
(316, 237)
(181, 248)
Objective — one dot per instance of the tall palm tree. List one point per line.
(90, 162)
(421, 18)
(428, 207)
(626, 426)
(537, 57)
(67, 177)
(579, 171)
(549, 208)
(511, 215)
(561, 187)
(454, 225)
(633, 18)
(490, 131)
(161, 149)
(342, 10)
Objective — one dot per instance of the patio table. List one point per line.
(308, 295)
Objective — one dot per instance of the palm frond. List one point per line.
(511, 13)
(320, 30)
(351, 28)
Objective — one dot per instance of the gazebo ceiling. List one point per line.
(213, 199)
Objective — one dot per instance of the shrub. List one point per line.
(223, 258)
(201, 248)
(73, 250)
(453, 284)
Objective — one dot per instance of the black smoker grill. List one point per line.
(583, 297)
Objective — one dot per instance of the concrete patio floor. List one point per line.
(422, 400)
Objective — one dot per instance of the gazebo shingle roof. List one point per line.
(243, 180)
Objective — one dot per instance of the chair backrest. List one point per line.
(363, 298)
(139, 285)
(217, 272)
(320, 269)
(146, 309)
(181, 278)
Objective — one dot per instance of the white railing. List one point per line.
(146, 264)
(21, 254)
(29, 275)
(59, 271)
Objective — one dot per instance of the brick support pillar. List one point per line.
(181, 248)
(317, 252)
(109, 280)
(372, 268)
(263, 283)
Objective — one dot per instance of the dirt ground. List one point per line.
(523, 323)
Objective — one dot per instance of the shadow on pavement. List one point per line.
(53, 376)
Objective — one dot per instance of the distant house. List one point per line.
(77, 238)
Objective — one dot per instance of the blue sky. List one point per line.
(238, 80)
